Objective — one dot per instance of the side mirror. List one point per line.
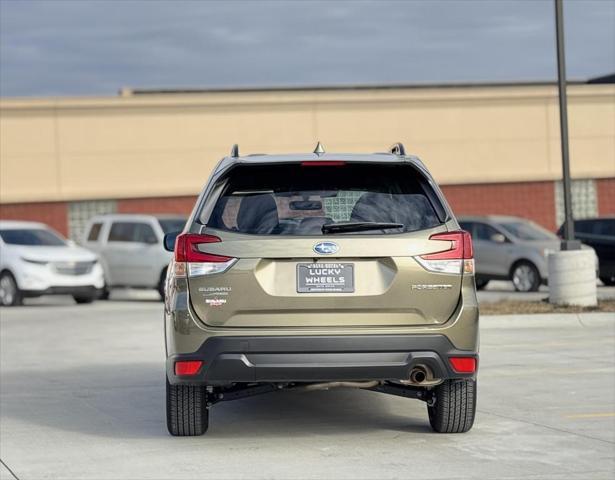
(498, 238)
(169, 241)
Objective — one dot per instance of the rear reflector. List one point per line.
(324, 163)
(463, 364)
(188, 368)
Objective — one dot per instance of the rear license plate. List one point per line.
(325, 277)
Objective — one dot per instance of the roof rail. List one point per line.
(235, 151)
(398, 149)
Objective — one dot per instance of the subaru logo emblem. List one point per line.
(326, 248)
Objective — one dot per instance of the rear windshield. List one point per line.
(300, 200)
(32, 236)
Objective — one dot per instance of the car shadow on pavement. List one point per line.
(53, 302)
(128, 401)
(133, 300)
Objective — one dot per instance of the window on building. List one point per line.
(584, 199)
(80, 213)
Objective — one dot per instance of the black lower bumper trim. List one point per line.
(317, 358)
(84, 290)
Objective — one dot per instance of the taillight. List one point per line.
(457, 258)
(463, 364)
(189, 258)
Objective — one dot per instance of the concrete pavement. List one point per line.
(82, 396)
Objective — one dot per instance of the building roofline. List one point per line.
(131, 91)
(186, 98)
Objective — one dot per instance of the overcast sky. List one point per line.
(82, 47)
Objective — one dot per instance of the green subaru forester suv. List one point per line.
(314, 271)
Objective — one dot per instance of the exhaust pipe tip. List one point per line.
(418, 375)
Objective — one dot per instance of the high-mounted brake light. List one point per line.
(324, 163)
(188, 367)
(456, 257)
(189, 257)
(463, 364)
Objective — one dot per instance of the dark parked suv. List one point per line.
(598, 233)
(315, 271)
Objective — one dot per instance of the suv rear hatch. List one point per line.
(329, 244)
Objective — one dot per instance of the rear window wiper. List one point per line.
(358, 226)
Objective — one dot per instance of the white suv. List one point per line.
(131, 248)
(36, 260)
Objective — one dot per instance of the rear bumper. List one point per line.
(317, 358)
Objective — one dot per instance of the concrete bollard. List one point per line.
(572, 278)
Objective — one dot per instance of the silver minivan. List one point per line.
(131, 248)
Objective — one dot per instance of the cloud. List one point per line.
(95, 47)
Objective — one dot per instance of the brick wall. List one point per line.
(180, 205)
(606, 196)
(533, 200)
(54, 214)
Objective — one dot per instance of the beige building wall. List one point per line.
(165, 145)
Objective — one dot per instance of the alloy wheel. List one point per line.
(8, 290)
(524, 277)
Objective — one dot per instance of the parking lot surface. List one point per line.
(82, 396)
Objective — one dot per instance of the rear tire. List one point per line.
(105, 292)
(455, 406)
(481, 283)
(525, 277)
(10, 295)
(161, 283)
(81, 299)
(187, 413)
(608, 281)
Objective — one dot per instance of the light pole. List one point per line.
(568, 243)
(572, 270)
